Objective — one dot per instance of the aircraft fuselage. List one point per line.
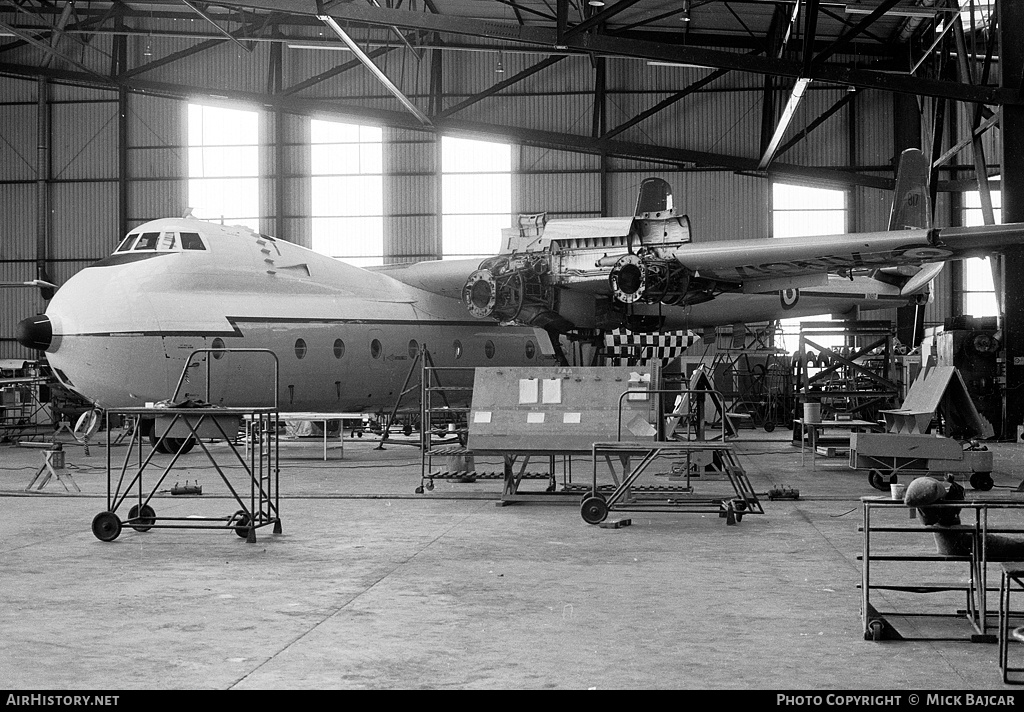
(345, 338)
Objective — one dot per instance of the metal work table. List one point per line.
(809, 432)
(1012, 574)
(876, 624)
(325, 418)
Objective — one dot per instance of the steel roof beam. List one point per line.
(491, 91)
(645, 49)
(202, 13)
(666, 155)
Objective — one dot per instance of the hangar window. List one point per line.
(223, 164)
(799, 211)
(978, 292)
(476, 196)
(347, 191)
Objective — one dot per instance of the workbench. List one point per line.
(808, 432)
(900, 549)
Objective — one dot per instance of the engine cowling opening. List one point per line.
(511, 288)
(635, 278)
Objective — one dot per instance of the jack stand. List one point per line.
(53, 466)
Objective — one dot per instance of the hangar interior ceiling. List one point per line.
(720, 97)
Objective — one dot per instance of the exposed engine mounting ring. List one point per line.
(628, 279)
(480, 293)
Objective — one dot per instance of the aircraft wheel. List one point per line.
(159, 445)
(173, 444)
(982, 481)
(877, 480)
(241, 522)
(769, 426)
(106, 526)
(594, 510)
(145, 519)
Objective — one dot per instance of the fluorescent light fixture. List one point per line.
(331, 47)
(596, 3)
(656, 63)
(922, 12)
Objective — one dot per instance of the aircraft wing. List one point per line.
(553, 286)
(751, 264)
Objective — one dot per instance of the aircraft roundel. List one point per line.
(925, 254)
(789, 297)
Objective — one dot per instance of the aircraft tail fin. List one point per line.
(654, 196)
(911, 205)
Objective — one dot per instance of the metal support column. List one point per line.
(1011, 74)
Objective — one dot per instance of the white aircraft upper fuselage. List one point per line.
(345, 337)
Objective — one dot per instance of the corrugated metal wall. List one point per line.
(724, 118)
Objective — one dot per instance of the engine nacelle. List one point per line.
(513, 288)
(636, 278)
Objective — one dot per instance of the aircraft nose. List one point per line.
(36, 332)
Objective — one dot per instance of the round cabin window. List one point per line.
(300, 348)
(489, 349)
(414, 348)
(457, 347)
(375, 348)
(339, 348)
(531, 350)
(218, 344)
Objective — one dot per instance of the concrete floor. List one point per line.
(373, 586)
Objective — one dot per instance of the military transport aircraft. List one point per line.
(120, 331)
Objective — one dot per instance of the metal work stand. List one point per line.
(908, 580)
(179, 428)
(259, 509)
(625, 498)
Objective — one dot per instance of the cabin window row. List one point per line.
(376, 349)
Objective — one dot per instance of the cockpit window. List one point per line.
(126, 244)
(191, 241)
(167, 241)
(147, 241)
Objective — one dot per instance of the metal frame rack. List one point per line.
(860, 379)
(876, 623)
(261, 464)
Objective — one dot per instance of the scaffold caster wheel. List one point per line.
(875, 631)
(419, 490)
(241, 523)
(769, 426)
(982, 481)
(106, 526)
(877, 480)
(594, 510)
(145, 519)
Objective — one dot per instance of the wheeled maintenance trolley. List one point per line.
(176, 429)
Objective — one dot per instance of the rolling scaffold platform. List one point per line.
(597, 504)
(175, 427)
